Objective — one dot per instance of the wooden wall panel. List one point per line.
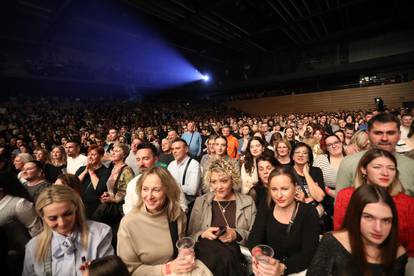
(393, 95)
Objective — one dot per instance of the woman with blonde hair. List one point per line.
(358, 142)
(379, 167)
(283, 148)
(56, 165)
(221, 220)
(67, 239)
(42, 155)
(161, 221)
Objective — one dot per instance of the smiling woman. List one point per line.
(161, 221)
(67, 237)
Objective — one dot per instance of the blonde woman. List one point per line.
(67, 239)
(161, 222)
(57, 164)
(221, 220)
(358, 142)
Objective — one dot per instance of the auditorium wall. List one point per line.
(393, 95)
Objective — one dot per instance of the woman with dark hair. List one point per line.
(249, 177)
(379, 167)
(290, 136)
(56, 165)
(106, 266)
(93, 178)
(367, 243)
(276, 136)
(349, 119)
(266, 163)
(340, 134)
(407, 147)
(69, 180)
(330, 161)
(308, 178)
(288, 226)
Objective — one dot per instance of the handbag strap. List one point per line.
(174, 236)
(191, 139)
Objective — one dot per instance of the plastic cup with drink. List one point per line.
(185, 248)
(262, 253)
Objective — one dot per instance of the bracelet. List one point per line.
(168, 269)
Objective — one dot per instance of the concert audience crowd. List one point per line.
(113, 187)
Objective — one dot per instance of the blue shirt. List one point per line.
(194, 142)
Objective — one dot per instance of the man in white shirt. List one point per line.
(406, 120)
(130, 160)
(146, 157)
(185, 170)
(75, 160)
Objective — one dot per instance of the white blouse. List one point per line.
(67, 252)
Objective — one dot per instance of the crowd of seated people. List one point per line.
(123, 184)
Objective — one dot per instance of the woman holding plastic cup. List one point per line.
(289, 227)
(148, 235)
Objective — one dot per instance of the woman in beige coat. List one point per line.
(221, 220)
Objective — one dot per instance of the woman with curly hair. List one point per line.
(221, 220)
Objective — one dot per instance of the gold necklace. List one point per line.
(223, 209)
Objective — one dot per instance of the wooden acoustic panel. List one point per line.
(393, 96)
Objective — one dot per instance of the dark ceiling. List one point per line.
(226, 29)
(241, 40)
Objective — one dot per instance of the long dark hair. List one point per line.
(362, 196)
(108, 266)
(12, 186)
(248, 159)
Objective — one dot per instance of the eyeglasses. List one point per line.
(330, 145)
(304, 153)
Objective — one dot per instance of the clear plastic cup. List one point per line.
(185, 248)
(263, 252)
